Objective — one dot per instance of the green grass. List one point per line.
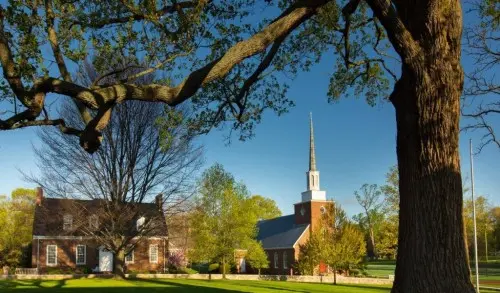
(178, 285)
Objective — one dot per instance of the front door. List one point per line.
(105, 260)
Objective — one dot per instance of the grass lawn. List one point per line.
(178, 285)
(181, 285)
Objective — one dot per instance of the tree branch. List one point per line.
(399, 36)
(136, 15)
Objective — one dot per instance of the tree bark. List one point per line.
(224, 267)
(334, 275)
(372, 243)
(431, 253)
(118, 264)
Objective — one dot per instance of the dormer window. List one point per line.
(94, 222)
(140, 223)
(67, 222)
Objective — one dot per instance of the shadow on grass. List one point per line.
(371, 288)
(162, 286)
(172, 286)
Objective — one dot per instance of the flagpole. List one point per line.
(474, 214)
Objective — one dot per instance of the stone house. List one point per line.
(70, 235)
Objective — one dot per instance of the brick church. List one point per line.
(282, 236)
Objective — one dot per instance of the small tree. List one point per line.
(224, 219)
(369, 200)
(341, 244)
(257, 257)
(310, 255)
(16, 222)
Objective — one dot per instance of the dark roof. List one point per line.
(48, 218)
(281, 232)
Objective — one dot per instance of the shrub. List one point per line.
(176, 260)
(213, 267)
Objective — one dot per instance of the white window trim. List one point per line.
(276, 260)
(285, 260)
(151, 246)
(133, 257)
(47, 256)
(84, 254)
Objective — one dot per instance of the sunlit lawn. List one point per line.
(179, 285)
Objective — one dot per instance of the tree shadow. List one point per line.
(60, 287)
(368, 287)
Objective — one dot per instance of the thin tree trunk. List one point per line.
(431, 248)
(223, 267)
(486, 244)
(334, 275)
(372, 240)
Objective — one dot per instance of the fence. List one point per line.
(26, 271)
(309, 279)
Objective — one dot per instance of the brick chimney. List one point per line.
(39, 196)
(159, 201)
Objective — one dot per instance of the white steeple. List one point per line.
(313, 192)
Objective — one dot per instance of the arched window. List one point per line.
(67, 222)
(312, 176)
(276, 260)
(285, 260)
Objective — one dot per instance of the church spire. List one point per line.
(313, 192)
(312, 152)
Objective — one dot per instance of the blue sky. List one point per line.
(355, 144)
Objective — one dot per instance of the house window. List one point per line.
(51, 255)
(140, 223)
(276, 260)
(67, 222)
(94, 222)
(153, 253)
(285, 260)
(129, 258)
(81, 254)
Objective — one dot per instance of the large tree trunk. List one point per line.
(431, 253)
(118, 264)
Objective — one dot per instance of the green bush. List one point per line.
(213, 267)
(56, 271)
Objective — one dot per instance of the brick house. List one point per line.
(281, 237)
(62, 241)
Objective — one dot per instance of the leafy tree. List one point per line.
(265, 208)
(369, 200)
(257, 257)
(224, 219)
(391, 191)
(388, 232)
(342, 243)
(311, 254)
(484, 224)
(16, 220)
(231, 71)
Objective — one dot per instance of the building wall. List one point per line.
(279, 269)
(66, 255)
(312, 212)
(141, 257)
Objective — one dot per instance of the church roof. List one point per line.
(281, 232)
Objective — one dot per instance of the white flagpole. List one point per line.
(474, 214)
